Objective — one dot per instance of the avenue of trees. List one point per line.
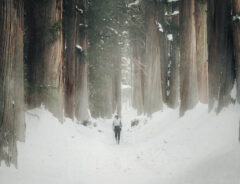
(68, 56)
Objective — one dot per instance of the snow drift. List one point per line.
(199, 148)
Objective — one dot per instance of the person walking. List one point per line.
(117, 126)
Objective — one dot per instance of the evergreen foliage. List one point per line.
(107, 20)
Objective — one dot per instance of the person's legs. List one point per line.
(119, 130)
(115, 131)
(119, 136)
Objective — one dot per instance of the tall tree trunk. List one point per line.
(202, 51)
(45, 55)
(188, 67)
(82, 91)
(137, 37)
(163, 52)
(70, 37)
(221, 64)
(12, 120)
(138, 79)
(174, 87)
(173, 71)
(236, 32)
(153, 89)
(117, 83)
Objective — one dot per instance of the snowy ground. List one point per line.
(199, 148)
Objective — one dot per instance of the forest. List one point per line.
(82, 59)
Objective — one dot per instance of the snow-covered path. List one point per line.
(199, 148)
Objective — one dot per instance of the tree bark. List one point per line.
(12, 119)
(221, 63)
(138, 79)
(174, 62)
(70, 37)
(202, 51)
(174, 86)
(163, 44)
(153, 88)
(45, 55)
(137, 41)
(188, 67)
(236, 34)
(82, 90)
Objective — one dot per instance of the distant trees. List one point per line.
(106, 22)
(67, 55)
(155, 55)
(205, 67)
